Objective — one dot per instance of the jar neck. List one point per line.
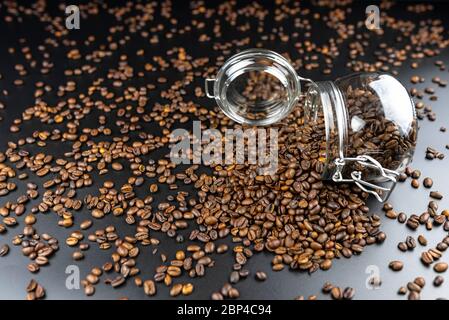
(336, 123)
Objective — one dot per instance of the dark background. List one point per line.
(281, 285)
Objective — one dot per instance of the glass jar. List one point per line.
(367, 121)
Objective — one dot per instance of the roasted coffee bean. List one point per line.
(348, 293)
(438, 281)
(410, 242)
(413, 287)
(187, 289)
(402, 217)
(420, 281)
(176, 290)
(4, 249)
(436, 195)
(149, 287)
(234, 277)
(86, 224)
(415, 183)
(413, 222)
(117, 282)
(422, 240)
(336, 293)
(233, 293)
(216, 296)
(261, 276)
(402, 246)
(428, 182)
(327, 287)
(117, 166)
(416, 174)
(89, 290)
(77, 255)
(402, 290)
(440, 267)
(396, 265)
(413, 295)
(426, 258)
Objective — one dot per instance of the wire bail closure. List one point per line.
(356, 176)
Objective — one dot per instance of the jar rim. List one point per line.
(232, 66)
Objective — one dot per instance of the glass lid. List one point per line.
(255, 87)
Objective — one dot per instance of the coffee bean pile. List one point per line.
(93, 144)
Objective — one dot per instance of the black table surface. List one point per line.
(353, 272)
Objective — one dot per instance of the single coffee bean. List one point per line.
(217, 296)
(234, 277)
(149, 287)
(187, 289)
(117, 166)
(442, 246)
(416, 174)
(410, 242)
(415, 183)
(261, 276)
(336, 293)
(436, 195)
(396, 265)
(4, 249)
(402, 290)
(413, 287)
(327, 287)
(348, 293)
(438, 281)
(89, 290)
(402, 217)
(117, 282)
(402, 246)
(422, 240)
(440, 267)
(233, 293)
(176, 290)
(420, 281)
(428, 182)
(413, 295)
(77, 255)
(426, 258)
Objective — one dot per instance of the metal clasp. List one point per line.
(206, 87)
(356, 176)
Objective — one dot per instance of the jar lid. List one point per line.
(256, 87)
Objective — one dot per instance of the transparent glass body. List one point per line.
(366, 121)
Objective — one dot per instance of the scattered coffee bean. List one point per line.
(438, 281)
(396, 265)
(4, 249)
(436, 195)
(428, 182)
(422, 240)
(440, 267)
